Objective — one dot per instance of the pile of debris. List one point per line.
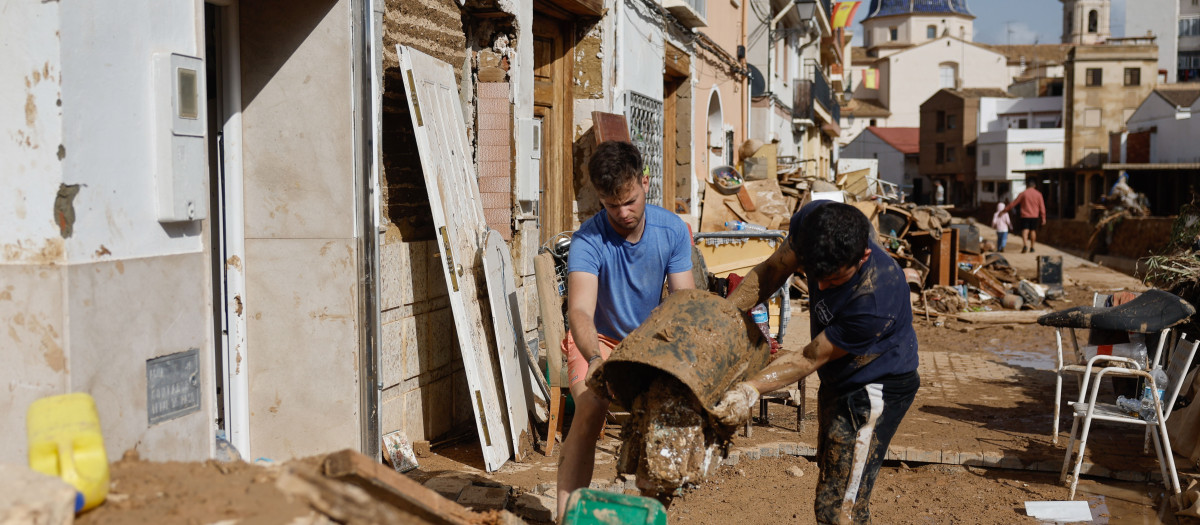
(947, 262)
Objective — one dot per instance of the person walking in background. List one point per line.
(939, 193)
(1033, 214)
(1002, 223)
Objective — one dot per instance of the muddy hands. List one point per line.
(734, 406)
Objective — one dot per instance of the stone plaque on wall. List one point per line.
(172, 386)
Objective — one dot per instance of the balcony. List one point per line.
(691, 13)
(813, 99)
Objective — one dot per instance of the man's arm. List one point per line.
(734, 407)
(1014, 203)
(794, 366)
(764, 279)
(581, 311)
(680, 281)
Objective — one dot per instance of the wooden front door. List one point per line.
(552, 105)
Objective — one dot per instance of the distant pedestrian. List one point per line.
(1032, 215)
(1002, 223)
(939, 193)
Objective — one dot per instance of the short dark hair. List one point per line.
(833, 236)
(613, 166)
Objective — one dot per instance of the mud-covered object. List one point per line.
(1149, 312)
(700, 339)
(668, 441)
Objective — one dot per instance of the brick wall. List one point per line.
(494, 154)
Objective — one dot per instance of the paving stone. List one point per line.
(950, 457)
(752, 454)
(536, 507)
(790, 449)
(974, 459)
(1012, 461)
(546, 489)
(449, 487)
(484, 498)
(992, 458)
(769, 451)
(733, 459)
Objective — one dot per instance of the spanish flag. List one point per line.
(871, 79)
(843, 14)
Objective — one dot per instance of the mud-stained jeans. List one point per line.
(854, 429)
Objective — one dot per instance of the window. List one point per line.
(970, 151)
(989, 187)
(1022, 123)
(1092, 117)
(985, 158)
(873, 121)
(1048, 124)
(1093, 21)
(1034, 157)
(1189, 26)
(1093, 76)
(893, 33)
(947, 73)
(1133, 76)
(951, 121)
(951, 154)
(941, 120)
(940, 153)
(931, 32)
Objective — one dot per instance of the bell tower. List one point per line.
(1085, 21)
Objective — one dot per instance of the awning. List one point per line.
(1154, 167)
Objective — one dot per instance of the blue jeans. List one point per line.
(1001, 241)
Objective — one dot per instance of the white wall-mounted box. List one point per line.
(529, 178)
(180, 122)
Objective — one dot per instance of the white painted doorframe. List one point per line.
(231, 221)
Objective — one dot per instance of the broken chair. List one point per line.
(1181, 359)
(1154, 311)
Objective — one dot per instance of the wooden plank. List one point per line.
(1002, 316)
(745, 199)
(610, 126)
(669, 176)
(769, 203)
(550, 309)
(441, 135)
(510, 342)
(733, 207)
(395, 489)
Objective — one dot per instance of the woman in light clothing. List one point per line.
(1002, 223)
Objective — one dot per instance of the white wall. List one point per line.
(913, 29)
(1006, 152)
(912, 76)
(1161, 19)
(869, 146)
(1177, 129)
(86, 310)
(31, 121)
(639, 50)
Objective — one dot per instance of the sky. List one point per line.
(1015, 21)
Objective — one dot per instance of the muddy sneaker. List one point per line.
(1024, 249)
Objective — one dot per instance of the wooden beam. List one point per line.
(1002, 316)
(395, 489)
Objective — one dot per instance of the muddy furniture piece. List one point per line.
(1154, 311)
(1181, 359)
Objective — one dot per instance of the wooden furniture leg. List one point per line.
(558, 403)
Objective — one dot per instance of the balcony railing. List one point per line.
(809, 93)
(821, 90)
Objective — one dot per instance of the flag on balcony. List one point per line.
(843, 14)
(871, 78)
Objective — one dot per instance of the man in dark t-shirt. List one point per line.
(863, 349)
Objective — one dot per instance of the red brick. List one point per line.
(495, 107)
(496, 121)
(499, 153)
(496, 201)
(496, 217)
(495, 185)
(493, 90)
(491, 137)
(494, 169)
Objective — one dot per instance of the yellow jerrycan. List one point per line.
(65, 441)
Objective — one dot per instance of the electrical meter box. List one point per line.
(529, 133)
(178, 136)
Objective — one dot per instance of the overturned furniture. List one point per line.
(671, 371)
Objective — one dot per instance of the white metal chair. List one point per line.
(1181, 359)
(1079, 363)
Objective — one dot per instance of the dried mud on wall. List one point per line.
(1132, 238)
(434, 27)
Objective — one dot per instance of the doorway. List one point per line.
(552, 65)
(226, 234)
(676, 115)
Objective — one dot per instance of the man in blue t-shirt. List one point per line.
(863, 348)
(618, 261)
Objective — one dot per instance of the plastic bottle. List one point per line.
(1132, 406)
(762, 318)
(1147, 404)
(741, 226)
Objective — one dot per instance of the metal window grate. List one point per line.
(645, 116)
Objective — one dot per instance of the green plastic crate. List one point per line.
(594, 507)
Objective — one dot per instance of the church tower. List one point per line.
(892, 25)
(1085, 21)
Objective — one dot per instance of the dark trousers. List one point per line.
(854, 429)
